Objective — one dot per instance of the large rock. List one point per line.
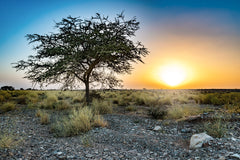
(197, 140)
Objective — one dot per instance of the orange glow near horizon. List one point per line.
(205, 62)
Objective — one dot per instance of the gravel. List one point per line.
(125, 137)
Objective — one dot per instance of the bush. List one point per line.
(232, 108)
(158, 112)
(216, 128)
(177, 112)
(131, 108)
(21, 99)
(8, 141)
(99, 121)
(32, 97)
(49, 102)
(101, 107)
(44, 116)
(2, 99)
(77, 122)
(62, 105)
(6, 95)
(8, 106)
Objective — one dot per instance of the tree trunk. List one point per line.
(87, 92)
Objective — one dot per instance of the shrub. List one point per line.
(6, 95)
(77, 122)
(49, 102)
(158, 112)
(2, 99)
(151, 101)
(165, 101)
(232, 108)
(177, 112)
(8, 141)
(78, 99)
(99, 121)
(32, 97)
(216, 128)
(21, 99)
(131, 108)
(101, 107)
(62, 105)
(44, 116)
(8, 106)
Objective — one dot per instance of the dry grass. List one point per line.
(8, 106)
(77, 122)
(181, 111)
(217, 127)
(44, 117)
(8, 141)
(99, 121)
(101, 107)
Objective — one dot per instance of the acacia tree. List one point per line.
(84, 50)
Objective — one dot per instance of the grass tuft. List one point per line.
(8, 106)
(8, 141)
(101, 107)
(44, 117)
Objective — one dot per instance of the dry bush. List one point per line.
(8, 141)
(62, 105)
(77, 122)
(8, 106)
(158, 112)
(131, 108)
(101, 107)
(44, 117)
(99, 121)
(217, 127)
(49, 102)
(181, 111)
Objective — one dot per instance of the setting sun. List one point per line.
(173, 75)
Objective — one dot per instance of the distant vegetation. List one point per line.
(75, 116)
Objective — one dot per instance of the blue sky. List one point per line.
(160, 21)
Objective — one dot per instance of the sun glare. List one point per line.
(173, 75)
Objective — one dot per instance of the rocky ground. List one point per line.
(126, 137)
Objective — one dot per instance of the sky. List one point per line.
(199, 37)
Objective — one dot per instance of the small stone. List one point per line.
(236, 156)
(187, 130)
(221, 158)
(89, 155)
(157, 128)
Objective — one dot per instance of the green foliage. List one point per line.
(219, 98)
(8, 106)
(2, 99)
(5, 95)
(108, 49)
(158, 112)
(217, 127)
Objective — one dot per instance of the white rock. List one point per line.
(157, 128)
(197, 140)
(236, 156)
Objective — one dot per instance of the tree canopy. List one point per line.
(91, 51)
